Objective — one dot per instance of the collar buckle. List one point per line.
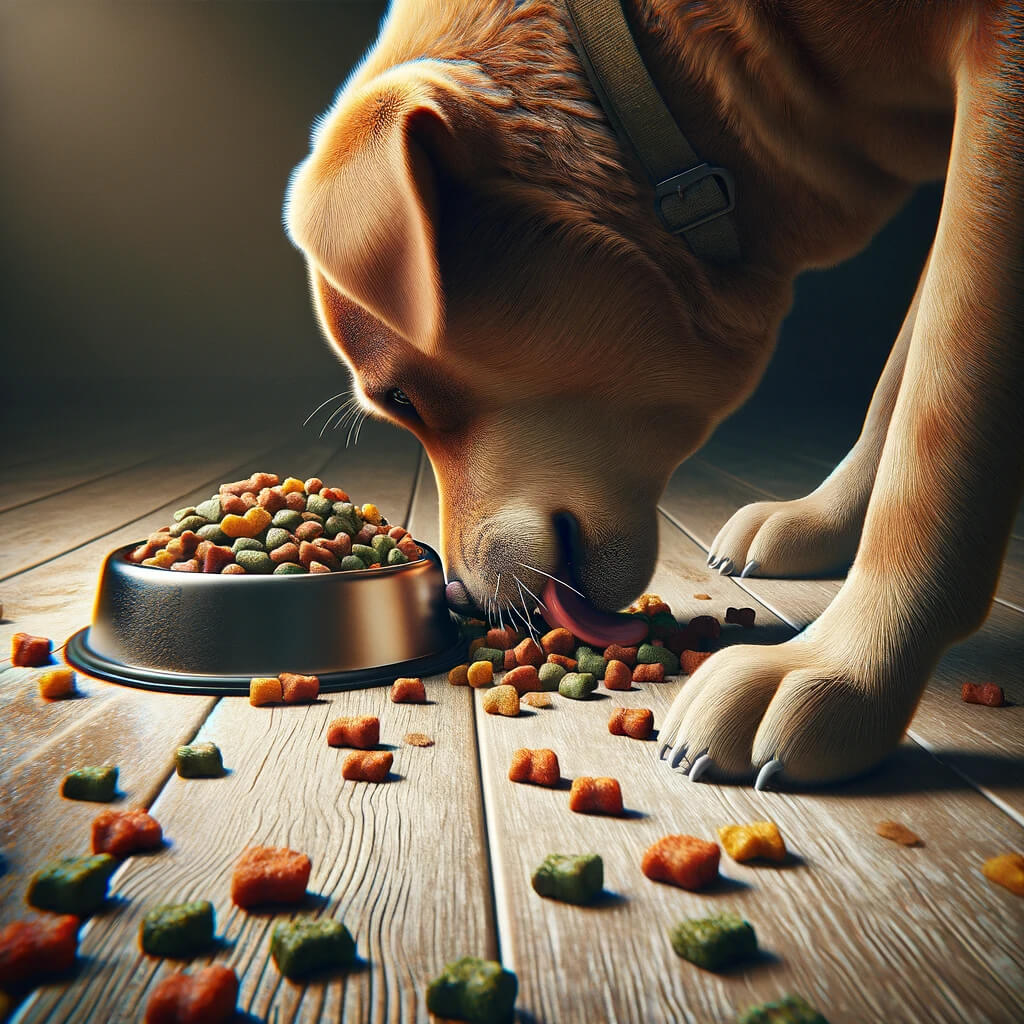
(680, 183)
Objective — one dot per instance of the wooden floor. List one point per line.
(436, 864)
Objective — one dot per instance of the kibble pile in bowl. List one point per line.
(263, 525)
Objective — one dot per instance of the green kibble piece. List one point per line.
(307, 945)
(180, 930)
(648, 654)
(254, 561)
(791, 1009)
(474, 990)
(210, 509)
(714, 942)
(382, 544)
(593, 663)
(571, 879)
(396, 557)
(663, 623)
(199, 761)
(318, 506)
(188, 523)
(350, 563)
(212, 532)
(346, 508)
(491, 654)
(577, 685)
(98, 783)
(276, 537)
(290, 569)
(287, 519)
(184, 513)
(550, 675)
(365, 552)
(247, 544)
(334, 525)
(72, 885)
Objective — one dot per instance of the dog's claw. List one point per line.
(664, 749)
(726, 568)
(752, 566)
(764, 776)
(677, 755)
(700, 766)
(711, 558)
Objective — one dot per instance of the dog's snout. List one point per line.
(459, 599)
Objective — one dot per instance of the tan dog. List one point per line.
(485, 255)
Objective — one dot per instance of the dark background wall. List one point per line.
(146, 147)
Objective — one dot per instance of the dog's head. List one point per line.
(493, 275)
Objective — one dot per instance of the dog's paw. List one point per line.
(805, 537)
(796, 711)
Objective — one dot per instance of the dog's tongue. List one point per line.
(567, 609)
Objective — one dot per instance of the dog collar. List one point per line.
(692, 198)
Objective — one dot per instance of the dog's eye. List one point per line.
(399, 397)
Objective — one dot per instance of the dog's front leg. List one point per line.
(836, 699)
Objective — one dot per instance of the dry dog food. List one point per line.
(57, 683)
(550, 675)
(72, 885)
(537, 766)
(475, 644)
(588, 660)
(524, 678)
(704, 629)
(1006, 870)
(649, 654)
(122, 833)
(618, 676)
(261, 525)
(359, 731)
(790, 1009)
(502, 700)
(759, 840)
(266, 874)
(529, 652)
(714, 942)
(199, 761)
(207, 996)
(686, 861)
(637, 723)
(898, 833)
(982, 693)
(408, 691)
(653, 673)
(179, 930)
(264, 690)
(307, 945)
(36, 948)
(741, 616)
(558, 641)
(502, 639)
(96, 783)
(569, 664)
(479, 674)
(417, 739)
(595, 796)
(702, 597)
(367, 765)
(474, 990)
(494, 655)
(29, 651)
(649, 605)
(626, 655)
(537, 700)
(459, 676)
(577, 685)
(569, 878)
(299, 689)
(690, 661)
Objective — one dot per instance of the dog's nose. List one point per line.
(459, 599)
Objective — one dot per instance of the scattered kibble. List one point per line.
(307, 945)
(408, 691)
(480, 674)
(539, 767)
(502, 700)
(589, 661)
(790, 1009)
(558, 641)
(690, 661)
(649, 654)
(266, 874)
(653, 673)
(417, 739)
(569, 664)
(760, 840)
(525, 679)
(264, 690)
(637, 723)
(714, 942)
(29, 651)
(575, 878)
(367, 765)
(98, 784)
(207, 996)
(359, 731)
(1006, 870)
(741, 616)
(37, 948)
(549, 675)
(537, 700)
(459, 676)
(199, 761)
(502, 639)
(494, 655)
(57, 684)
(299, 689)
(122, 833)
(577, 685)
(686, 861)
(702, 597)
(474, 990)
(72, 885)
(898, 833)
(529, 652)
(618, 676)
(595, 796)
(649, 605)
(626, 655)
(180, 930)
(982, 693)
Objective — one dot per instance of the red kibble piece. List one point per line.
(207, 996)
(396, 533)
(309, 531)
(258, 481)
(184, 546)
(122, 833)
(558, 641)
(690, 661)
(339, 547)
(649, 673)
(249, 500)
(509, 662)
(365, 534)
(192, 565)
(618, 676)
(296, 501)
(741, 616)
(333, 494)
(524, 679)
(34, 948)
(155, 542)
(231, 504)
(299, 689)
(234, 489)
(528, 652)
(309, 552)
(705, 627)
(502, 639)
(982, 693)
(569, 664)
(408, 691)
(595, 796)
(30, 651)
(539, 767)
(285, 553)
(686, 861)
(216, 557)
(627, 655)
(410, 548)
(314, 485)
(360, 731)
(367, 765)
(637, 723)
(267, 874)
(272, 499)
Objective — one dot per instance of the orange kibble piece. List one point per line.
(359, 731)
(558, 641)
(292, 486)
(539, 767)
(690, 661)
(650, 604)
(30, 651)
(264, 690)
(36, 948)
(759, 839)
(502, 700)
(408, 691)
(982, 693)
(233, 569)
(702, 597)
(480, 673)
(459, 676)
(595, 796)
(637, 723)
(299, 689)
(653, 673)
(476, 643)
(57, 683)
(537, 700)
(502, 639)
(267, 874)
(618, 676)
(528, 652)
(569, 664)
(686, 861)
(524, 679)
(367, 765)
(509, 661)
(314, 485)
(122, 833)
(898, 833)
(627, 655)
(206, 996)
(417, 739)
(1006, 870)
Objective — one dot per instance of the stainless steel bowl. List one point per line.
(207, 633)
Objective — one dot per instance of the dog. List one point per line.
(485, 254)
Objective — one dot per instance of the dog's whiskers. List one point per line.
(323, 429)
(497, 583)
(522, 597)
(340, 394)
(531, 593)
(550, 577)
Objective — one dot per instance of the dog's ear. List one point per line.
(363, 206)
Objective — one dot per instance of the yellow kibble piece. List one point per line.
(371, 514)
(476, 643)
(502, 700)
(264, 690)
(254, 521)
(292, 485)
(57, 683)
(480, 673)
(759, 839)
(163, 559)
(459, 676)
(1006, 870)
